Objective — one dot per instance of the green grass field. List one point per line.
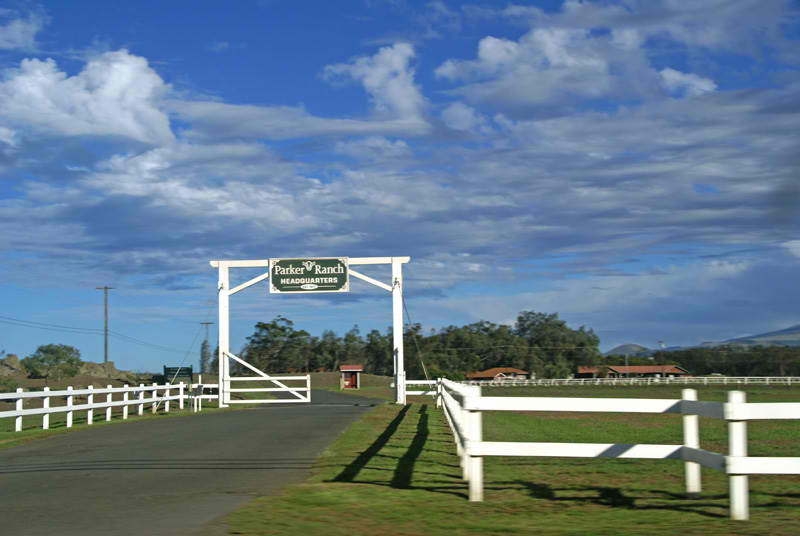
(395, 472)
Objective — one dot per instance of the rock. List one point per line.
(10, 366)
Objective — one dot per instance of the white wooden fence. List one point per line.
(692, 380)
(127, 396)
(155, 395)
(463, 406)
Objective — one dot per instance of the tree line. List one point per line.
(539, 343)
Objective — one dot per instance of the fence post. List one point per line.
(155, 396)
(475, 462)
(90, 401)
(18, 407)
(46, 405)
(109, 399)
(691, 439)
(180, 395)
(308, 386)
(737, 446)
(466, 423)
(69, 405)
(125, 400)
(166, 399)
(141, 398)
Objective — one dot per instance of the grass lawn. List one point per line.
(395, 472)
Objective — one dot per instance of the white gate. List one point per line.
(225, 292)
(300, 394)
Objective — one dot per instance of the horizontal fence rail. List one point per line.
(300, 394)
(691, 380)
(89, 399)
(463, 406)
(155, 395)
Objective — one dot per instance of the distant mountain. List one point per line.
(628, 350)
(786, 337)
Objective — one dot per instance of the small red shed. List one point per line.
(351, 376)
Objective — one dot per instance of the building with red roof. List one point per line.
(499, 374)
(351, 376)
(633, 371)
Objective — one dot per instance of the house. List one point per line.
(634, 371)
(351, 376)
(498, 374)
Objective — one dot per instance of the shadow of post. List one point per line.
(405, 466)
(350, 472)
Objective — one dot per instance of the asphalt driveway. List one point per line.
(174, 476)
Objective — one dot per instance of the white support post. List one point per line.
(691, 439)
(180, 393)
(737, 446)
(397, 331)
(154, 407)
(18, 407)
(223, 289)
(308, 387)
(140, 411)
(125, 405)
(109, 399)
(90, 401)
(69, 405)
(467, 423)
(166, 399)
(475, 462)
(46, 405)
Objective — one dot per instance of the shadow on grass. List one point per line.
(405, 466)
(350, 472)
(403, 472)
(616, 498)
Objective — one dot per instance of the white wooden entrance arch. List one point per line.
(224, 292)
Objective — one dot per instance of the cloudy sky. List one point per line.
(631, 165)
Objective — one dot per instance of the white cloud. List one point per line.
(20, 33)
(211, 120)
(545, 66)
(691, 84)
(219, 46)
(793, 247)
(373, 147)
(459, 116)
(116, 94)
(389, 80)
(742, 26)
(8, 137)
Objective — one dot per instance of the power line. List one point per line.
(82, 331)
(48, 327)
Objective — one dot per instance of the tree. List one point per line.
(562, 348)
(276, 346)
(54, 361)
(205, 358)
(214, 368)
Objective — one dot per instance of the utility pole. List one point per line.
(206, 324)
(105, 290)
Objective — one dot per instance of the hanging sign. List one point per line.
(309, 275)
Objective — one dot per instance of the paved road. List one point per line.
(169, 476)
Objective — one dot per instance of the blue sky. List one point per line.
(631, 165)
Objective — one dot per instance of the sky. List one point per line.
(631, 165)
